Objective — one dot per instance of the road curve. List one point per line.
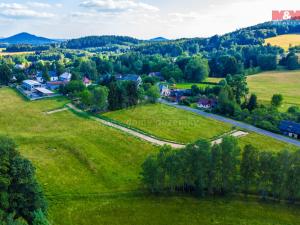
(235, 123)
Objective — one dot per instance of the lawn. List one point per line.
(286, 83)
(200, 85)
(284, 41)
(189, 85)
(170, 123)
(172, 210)
(90, 173)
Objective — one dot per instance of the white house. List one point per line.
(31, 85)
(52, 76)
(65, 77)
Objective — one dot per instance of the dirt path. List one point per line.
(145, 137)
(56, 111)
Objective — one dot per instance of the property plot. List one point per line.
(170, 123)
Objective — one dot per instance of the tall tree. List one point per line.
(197, 69)
(277, 100)
(248, 168)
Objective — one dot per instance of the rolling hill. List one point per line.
(26, 38)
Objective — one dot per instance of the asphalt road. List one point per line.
(236, 123)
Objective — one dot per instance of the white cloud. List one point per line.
(19, 11)
(181, 17)
(118, 5)
(39, 5)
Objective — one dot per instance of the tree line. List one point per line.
(223, 169)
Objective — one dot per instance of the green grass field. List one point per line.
(284, 41)
(170, 123)
(173, 210)
(90, 173)
(200, 85)
(189, 85)
(185, 127)
(286, 83)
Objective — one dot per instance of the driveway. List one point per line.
(236, 123)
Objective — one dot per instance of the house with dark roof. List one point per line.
(206, 103)
(290, 129)
(130, 77)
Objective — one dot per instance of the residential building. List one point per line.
(65, 77)
(290, 129)
(205, 103)
(130, 77)
(164, 90)
(30, 85)
(86, 81)
(52, 76)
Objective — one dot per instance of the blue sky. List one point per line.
(138, 18)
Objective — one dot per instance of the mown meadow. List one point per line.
(286, 83)
(284, 41)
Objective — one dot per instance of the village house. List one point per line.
(52, 76)
(86, 81)
(156, 75)
(205, 103)
(164, 90)
(290, 129)
(65, 77)
(130, 77)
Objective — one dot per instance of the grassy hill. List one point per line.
(286, 83)
(284, 41)
(90, 173)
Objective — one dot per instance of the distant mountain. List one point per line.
(159, 39)
(26, 38)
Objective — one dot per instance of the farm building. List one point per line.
(30, 85)
(290, 129)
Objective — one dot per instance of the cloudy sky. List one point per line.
(138, 18)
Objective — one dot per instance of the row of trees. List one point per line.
(21, 198)
(113, 95)
(223, 169)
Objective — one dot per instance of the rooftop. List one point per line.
(290, 126)
(31, 82)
